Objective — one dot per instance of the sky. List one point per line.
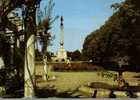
(81, 17)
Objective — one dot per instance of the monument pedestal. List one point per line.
(62, 55)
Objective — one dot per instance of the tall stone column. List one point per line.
(62, 55)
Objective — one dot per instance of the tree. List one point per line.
(118, 37)
(29, 17)
(75, 55)
(45, 25)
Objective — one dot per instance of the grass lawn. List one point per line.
(69, 81)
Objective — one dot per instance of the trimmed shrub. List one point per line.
(75, 67)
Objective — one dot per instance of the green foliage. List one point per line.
(116, 6)
(13, 77)
(75, 67)
(75, 55)
(45, 24)
(2, 91)
(118, 37)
